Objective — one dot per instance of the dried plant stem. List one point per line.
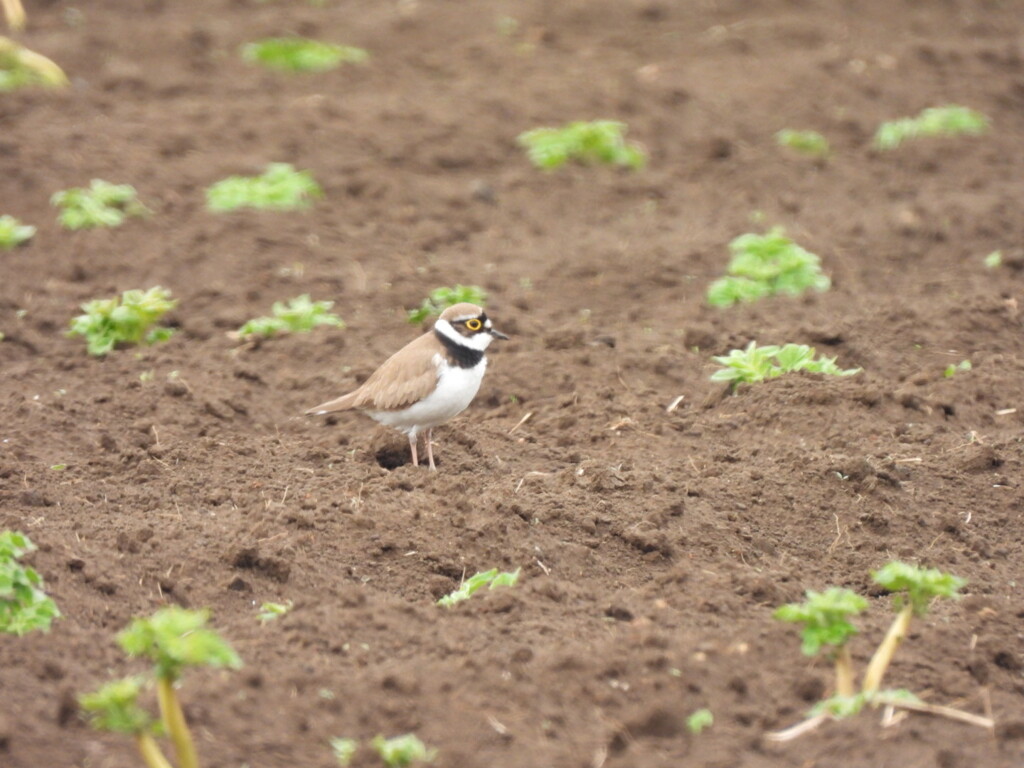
(844, 672)
(174, 721)
(15, 14)
(883, 655)
(151, 754)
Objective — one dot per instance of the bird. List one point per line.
(427, 382)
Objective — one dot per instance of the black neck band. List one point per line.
(459, 355)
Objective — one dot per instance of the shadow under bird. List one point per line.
(428, 381)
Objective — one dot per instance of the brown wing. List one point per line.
(406, 377)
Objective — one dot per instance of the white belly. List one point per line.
(456, 388)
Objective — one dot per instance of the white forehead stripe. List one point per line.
(463, 318)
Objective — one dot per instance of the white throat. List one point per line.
(478, 341)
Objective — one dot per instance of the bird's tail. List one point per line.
(343, 403)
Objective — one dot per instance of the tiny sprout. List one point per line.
(810, 143)
(114, 707)
(950, 120)
(700, 721)
(279, 188)
(21, 67)
(125, 320)
(403, 750)
(344, 750)
(952, 370)
(271, 611)
(442, 298)
(298, 54)
(490, 579)
(101, 205)
(299, 315)
(599, 142)
(914, 589)
(24, 606)
(754, 364)
(994, 260)
(13, 233)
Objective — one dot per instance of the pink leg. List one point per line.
(430, 449)
(412, 447)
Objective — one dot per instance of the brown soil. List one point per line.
(654, 546)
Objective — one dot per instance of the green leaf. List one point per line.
(299, 54)
(271, 611)
(810, 143)
(128, 320)
(442, 298)
(299, 315)
(101, 205)
(24, 606)
(13, 233)
(114, 707)
(949, 120)
(490, 579)
(600, 142)
(279, 188)
(754, 364)
(700, 721)
(825, 617)
(174, 638)
(916, 585)
(403, 750)
(344, 750)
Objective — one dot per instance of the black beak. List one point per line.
(497, 334)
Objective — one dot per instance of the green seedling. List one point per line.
(600, 142)
(765, 265)
(115, 707)
(442, 298)
(838, 707)
(914, 588)
(952, 370)
(13, 233)
(101, 205)
(700, 721)
(272, 611)
(810, 143)
(490, 579)
(279, 188)
(173, 639)
(825, 619)
(128, 320)
(754, 364)
(299, 315)
(402, 751)
(22, 68)
(950, 120)
(344, 750)
(994, 260)
(298, 54)
(24, 606)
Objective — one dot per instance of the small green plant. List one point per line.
(950, 120)
(754, 363)
(490, 579)
(442, 298)
(115, 708)
(914, 589)
(344, 750)
(601, 142)
(13, 233)
(24, 606)
(272, 611)
(23, 68)
(101, 205)
(952, 370)
(128, 320)
(174, 639)
(700, 721)
(279, 188)
(298, 54)
(765, 265)
(403, 750)
(299, 315)
(810, 143)
(825, 619)
(994, 260)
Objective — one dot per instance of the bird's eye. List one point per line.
(474, 324)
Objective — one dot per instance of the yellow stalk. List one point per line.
(174, 722)
(844, 672)
(47, 71)
(15, 14)
(151, 753)
(883, 655)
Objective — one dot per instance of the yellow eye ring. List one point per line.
(474, 324)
